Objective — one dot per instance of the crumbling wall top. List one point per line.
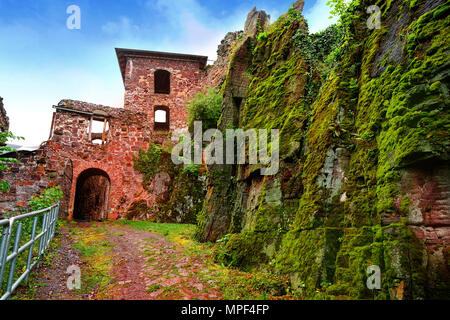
(91, 109)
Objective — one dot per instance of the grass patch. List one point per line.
(154, 288)
(96, 253)
(27, 290)
(174, 232)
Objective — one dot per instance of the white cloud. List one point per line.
(124, 27)
(197, 31)
(318, 16)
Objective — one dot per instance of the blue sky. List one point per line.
(43, 62)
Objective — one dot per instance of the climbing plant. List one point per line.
(338, 7)
(147, 162)
(317, 46)
(320, 51)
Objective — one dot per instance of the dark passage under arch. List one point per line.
(92, 195)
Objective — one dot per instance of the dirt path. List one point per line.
(142, 266)
(49, 280)
(148, 266)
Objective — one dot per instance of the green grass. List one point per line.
(21, 262)
(154, 288)
(169, 230)
(27, 290)
(96, 252)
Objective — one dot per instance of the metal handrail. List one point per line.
(9, 254)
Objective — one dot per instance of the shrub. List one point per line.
(206, 108)
(48, 198)
(262, 36)
(192, 169)
(147, 162)
(317, 46)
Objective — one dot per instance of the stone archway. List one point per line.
(92, 195)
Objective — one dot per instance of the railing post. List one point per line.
(42, 239)
(54, 218)
(50, 229)
(4, 246)
(12, 265)
(30, 250)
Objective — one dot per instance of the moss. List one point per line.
(415, 112)
(138, 210)
(397, 120)
(148, 162)
(310, 257)
(387, 109)
(244, 250)
(357, 252)
(394, 249)
(186, 199)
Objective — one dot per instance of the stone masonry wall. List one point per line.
(128, 132)
(186, 79)
(71, 151)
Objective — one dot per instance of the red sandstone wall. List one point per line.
(128, 132)
(186, 81)
(69, 152)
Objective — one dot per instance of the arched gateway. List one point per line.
(92, 195)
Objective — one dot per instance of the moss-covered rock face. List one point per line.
(179, 192)
(364, 149)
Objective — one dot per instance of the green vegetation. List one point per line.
(4, 137)
(169, 230)
(48, 198)
(233, 283)
(147, 162)
(27, 290)
(317, 46)
(186, 188)
(96, 252)
(376, 100)
(206, 108)
(239, 285)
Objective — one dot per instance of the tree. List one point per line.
(206, 108)
(5, 161)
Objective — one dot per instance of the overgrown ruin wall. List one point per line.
(364, 160)
(74, 148)
(364, 173)
(69, 152)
